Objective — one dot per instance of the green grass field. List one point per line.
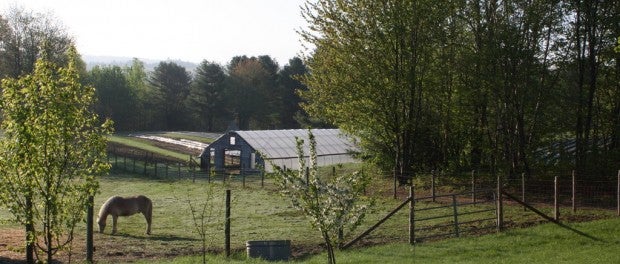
(144, 144)
(263, 214)
(181, 135)
(547, 243)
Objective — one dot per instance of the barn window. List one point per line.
(232, 140)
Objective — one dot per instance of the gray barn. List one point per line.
(250, 151)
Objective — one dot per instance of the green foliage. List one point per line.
(206, 99)
(52, 149)
(463, 85)
(331, 204)
(116, 100)
(170, 83)
(290, 89)
(25, 35)
(251, 93)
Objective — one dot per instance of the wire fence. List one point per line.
(574, 191)
(149, 167)
(446, 205)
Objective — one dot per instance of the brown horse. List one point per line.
(125, 206)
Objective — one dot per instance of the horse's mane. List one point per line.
(105, 207)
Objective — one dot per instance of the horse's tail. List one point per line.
(149, 208)
(148, 214)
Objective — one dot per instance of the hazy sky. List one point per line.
(190, 30)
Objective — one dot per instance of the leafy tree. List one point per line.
(203, 216)
(24, 35)
(206, 95)
(271, 92)
(5, 32)
(171, 86)
(244, 93)
(52, 149)
(290, 85)
(116, 100)
(370, 76)
(145, 95)
(514, 48)
(331, 204)
(596, 68)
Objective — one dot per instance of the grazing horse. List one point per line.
(125, 206)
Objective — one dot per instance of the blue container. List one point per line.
(272, 250)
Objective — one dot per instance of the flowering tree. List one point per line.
(331, 203)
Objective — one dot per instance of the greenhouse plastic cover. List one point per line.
(281, 144)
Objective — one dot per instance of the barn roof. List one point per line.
(281, 144)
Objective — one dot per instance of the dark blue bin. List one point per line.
(272, 250)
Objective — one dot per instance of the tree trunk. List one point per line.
(89, 230)
(29, 232)
(331, 257)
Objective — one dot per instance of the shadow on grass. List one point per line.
(550, 219)
(165, 238)
(11, 261)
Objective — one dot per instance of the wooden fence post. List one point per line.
(618, 193)
(395, 178)
(500, 205)
(243, 177)
(456, 216)
(307, 176)
(523, 189)
(574, 193)
(556, 207)
(433, 184)
(411, 215)
(145, 159)
(262, 179)
(473, 187)
(227, 225)
(89, 230)
(193, 172)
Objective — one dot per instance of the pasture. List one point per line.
(545, 243)
(261, 213)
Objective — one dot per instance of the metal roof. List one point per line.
(281, 144)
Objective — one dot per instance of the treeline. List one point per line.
(510, 87)
(506, 86)
(248, 93)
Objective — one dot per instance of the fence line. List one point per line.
(573, 191)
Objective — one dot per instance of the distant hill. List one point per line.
(149, 64)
